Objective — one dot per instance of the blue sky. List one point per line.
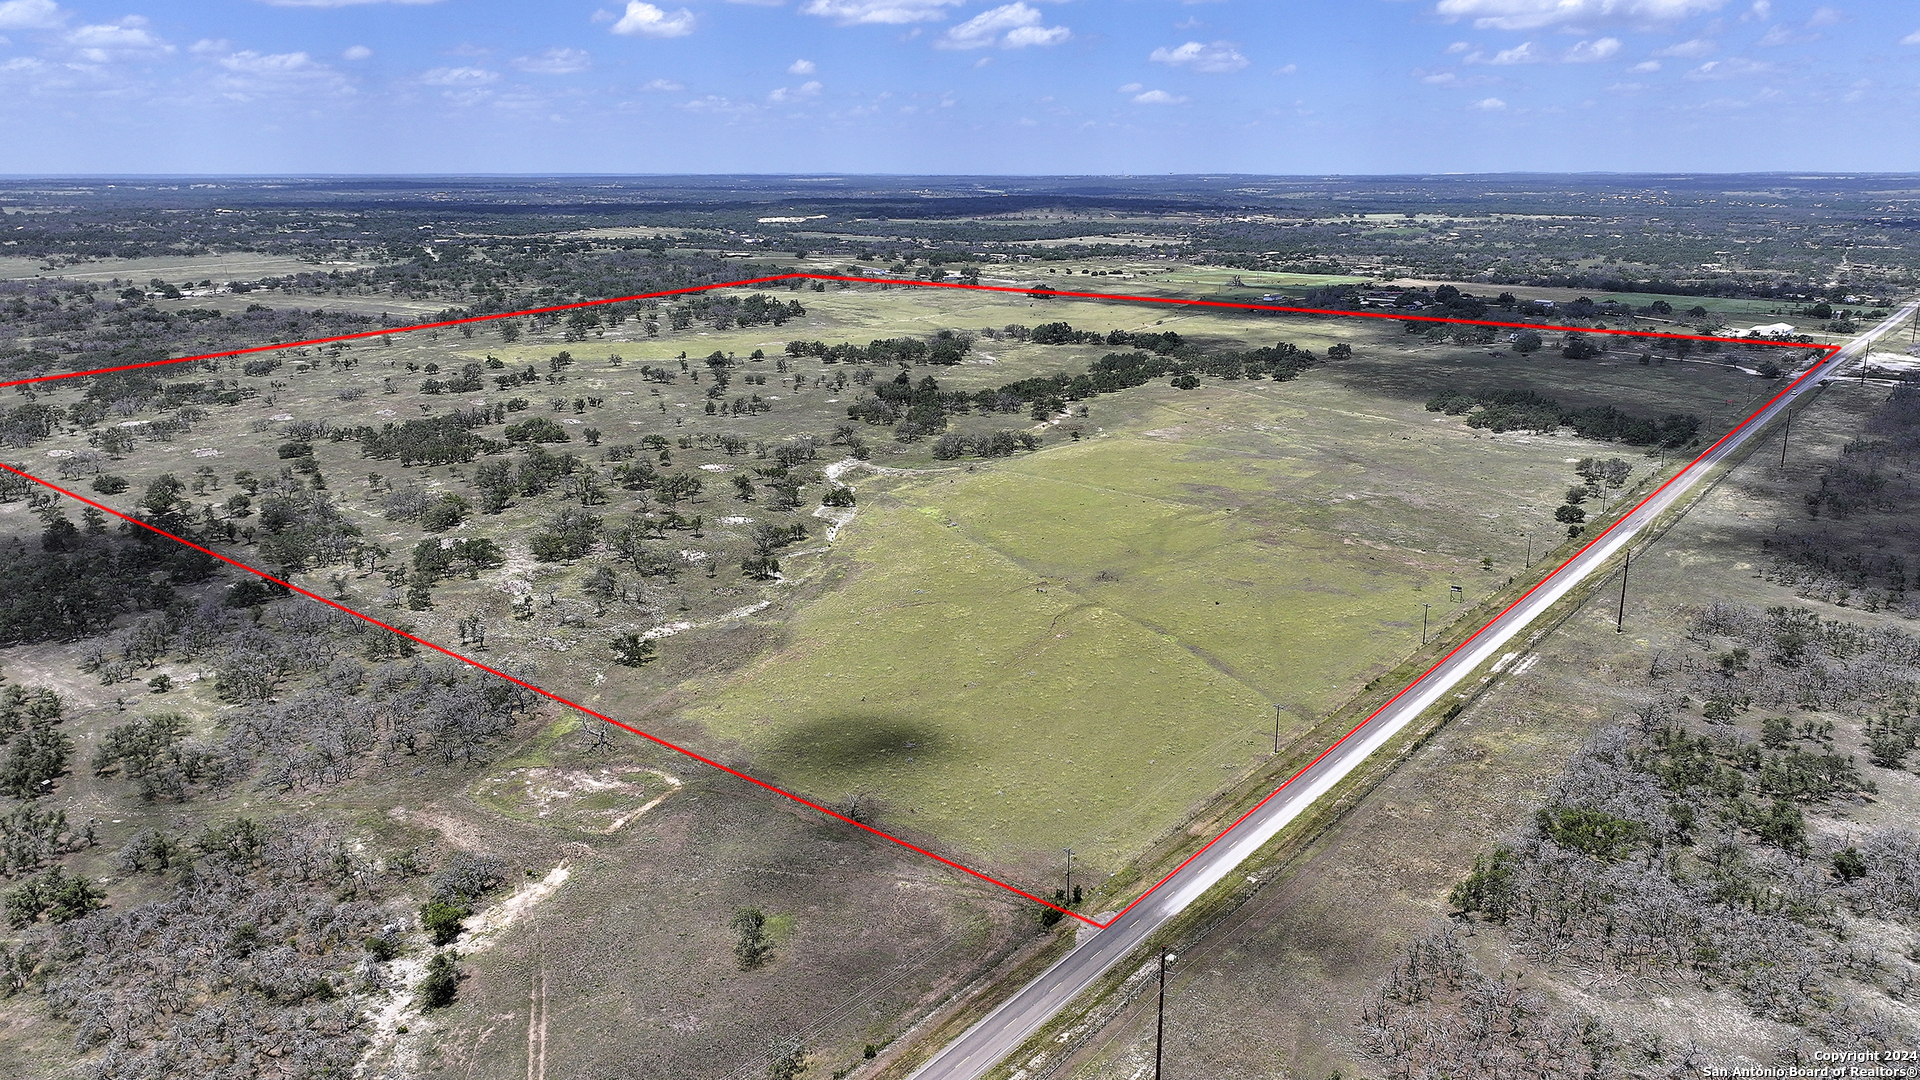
(956, 86)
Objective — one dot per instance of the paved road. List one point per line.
(996, 1036)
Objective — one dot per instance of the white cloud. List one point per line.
(802, 67)
(1492, 104)
(1732, 67)
(555, 61)
(123, 39)
(248, 62)
(1130, 88)
(1645, 66)
(714, 103)
(1157, 97)
(1523, 53)
(356, 52)
(645, 20)
(1825, 16)
(1218, 58)
(1911, 39)
(1533, 14)
(1288, 70)
(1688, 49)
(884, 12)
(31, 15)
(1761, 11)
(803, 92)
(459, 77)
(1011, 26)
(662, 85)
(1458, 47)
(247, 75)
(1587, 52)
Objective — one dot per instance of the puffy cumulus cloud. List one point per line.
(645, 20)
(1010, 26)
(1534, 14)
(1492, 104)
(1645, 66)
(555, 61)
(1911, 39)
(1524, 53)
(356, 52)
(802, 67)
(884, 12)
(459, 77)
(1219, 58)
(806, 91)
(1587, 52)
(1152, 97)
(662, 86)
(126, 38)
(31, 15)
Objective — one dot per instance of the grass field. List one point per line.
(1073, 648)
(1277, 990)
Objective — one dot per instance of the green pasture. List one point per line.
(1075, 647)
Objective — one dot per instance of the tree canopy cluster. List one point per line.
(1527, 410)
(947, 347)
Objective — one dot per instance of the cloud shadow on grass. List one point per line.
(858, 744)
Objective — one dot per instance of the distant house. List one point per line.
(1770, 330)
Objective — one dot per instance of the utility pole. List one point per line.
(1160, 1024)
(1529, 537)
(1276, 731)
(1620, 620)
(1784, 433)
(1068, 894)
(1423, 624)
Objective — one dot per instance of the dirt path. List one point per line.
(537, 1019)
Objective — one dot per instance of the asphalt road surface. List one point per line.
(996, 1036)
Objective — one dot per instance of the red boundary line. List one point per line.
(1035, 291)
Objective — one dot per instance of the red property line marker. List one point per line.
(1831, 351)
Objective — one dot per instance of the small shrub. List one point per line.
(443, 921)
(442, 982)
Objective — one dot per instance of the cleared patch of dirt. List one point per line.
(598, 800)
